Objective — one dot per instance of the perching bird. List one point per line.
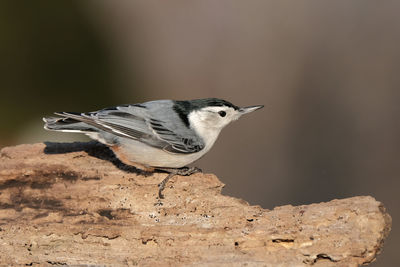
(163, 134)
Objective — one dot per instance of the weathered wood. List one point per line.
(76, 204)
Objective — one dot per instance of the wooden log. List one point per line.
(69, 204)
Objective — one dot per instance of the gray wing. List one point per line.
(148, 123)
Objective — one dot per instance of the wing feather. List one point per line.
(177, 143)
(135, 122)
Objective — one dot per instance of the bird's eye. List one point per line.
(222, 113)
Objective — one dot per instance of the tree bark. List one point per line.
(68, 204)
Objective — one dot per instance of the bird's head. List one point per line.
(212, 113)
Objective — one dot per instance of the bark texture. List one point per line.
(68, 204)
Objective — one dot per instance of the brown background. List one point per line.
(327, 73)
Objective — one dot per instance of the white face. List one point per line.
(213, 117)
(208, 122)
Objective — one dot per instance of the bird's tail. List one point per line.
(66, 124)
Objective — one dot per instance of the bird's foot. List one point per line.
(185, 171)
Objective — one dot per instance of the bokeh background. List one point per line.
(326, 71)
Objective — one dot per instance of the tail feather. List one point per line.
(67, 125)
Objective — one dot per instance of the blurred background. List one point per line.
(326, 71)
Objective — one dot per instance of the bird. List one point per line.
(160, 134)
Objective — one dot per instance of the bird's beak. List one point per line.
(246, 110)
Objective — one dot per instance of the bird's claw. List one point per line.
(186, 171)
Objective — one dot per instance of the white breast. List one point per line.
(138, 152)
(204, 128)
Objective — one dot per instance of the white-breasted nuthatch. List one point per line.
(160, 134)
